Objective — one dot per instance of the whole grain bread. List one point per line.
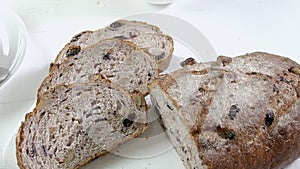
(144, 35)
(240, 112)
(73, 124)
(119, 61)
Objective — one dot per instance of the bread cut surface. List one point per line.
(73, 124)
(233, 113)
(120, 62)
(159, 45)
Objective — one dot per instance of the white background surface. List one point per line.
(233, 27)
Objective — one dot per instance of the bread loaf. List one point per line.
(73, 124)
(159, 45)
(121, 62)
(240, 112)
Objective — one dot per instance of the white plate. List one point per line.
(152, 150)
(13, 41)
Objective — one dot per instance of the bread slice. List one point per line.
(234, 113)
(144, 35)
(73, 124)
(120, 62)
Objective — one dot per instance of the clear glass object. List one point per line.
(13, 41)
(159, 2)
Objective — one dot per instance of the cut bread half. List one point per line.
(234, 113)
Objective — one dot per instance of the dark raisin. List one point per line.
(120, 37)
(51, 66)
(94, 102)
(109, 76)
(127, 122)
(225, 60)
(269, 118)
(178, 140)
(160, 56)
(188, 61)
(195, 130)
(102, 119)
(149, 76)
(230, 134)
(251, 73)
(68, 108)
(76, 37)
(106, 56)
(282, 79)
(73, 50)
(43, 113)
(170, 107)
(116, 24)
(226, 133)
(201, 90)
(233, 112)
(97, 108)
(32, 151)
(67, 90)
(183, 150)
(132, 35)
(97, 64)
(64, 100)
(44, 150)
(88, 115)
(275, 89)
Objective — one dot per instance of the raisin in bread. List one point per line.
(240, 112)
(144, 35)
(119, 61)
(73, 124)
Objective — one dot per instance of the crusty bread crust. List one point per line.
(250, 121)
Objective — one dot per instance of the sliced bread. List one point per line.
(240, 112)
(144, 35)
(119, 61)
(73, 124)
